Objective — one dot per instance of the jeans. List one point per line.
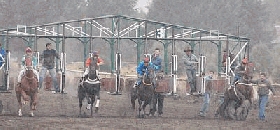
(206, 101)
(191, 74)
(236, 78)
(53, 76)
(262, 105)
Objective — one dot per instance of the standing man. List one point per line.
(156, 60)
(263, 90)
(208, 91)
(48, 57)
(158, 96)
(190, 62)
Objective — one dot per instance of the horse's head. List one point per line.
(93, 68)
(149, 76)
(28, 63)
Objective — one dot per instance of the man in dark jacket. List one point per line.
(158, 96)
(48, 57)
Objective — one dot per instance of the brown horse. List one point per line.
(238, 100)
(28, 89)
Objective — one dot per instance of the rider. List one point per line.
(88, 61)
(141, 68)
(239, 71)
(28, 52)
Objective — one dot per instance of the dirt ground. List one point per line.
(60, 111)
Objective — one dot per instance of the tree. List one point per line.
(250, 16)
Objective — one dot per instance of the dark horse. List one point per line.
(238, 100)
(89, 87)
(145, 92)
(28, 89)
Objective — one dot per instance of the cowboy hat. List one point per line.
(188, 49)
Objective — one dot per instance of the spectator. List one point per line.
(263, 90)
(208, 91)
(190, 61)
(48, 57)
(158, 96)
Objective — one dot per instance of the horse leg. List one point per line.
(144, 108)
(18, 95)
(140, 107)
(33, 103)
(97, 104)
(132, 100)
(80, 105)
(91, 104)
(24, 96)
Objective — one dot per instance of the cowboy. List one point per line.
(190, 62)
(239, 71)
(88, 61)
(28, 53)
(141, 68)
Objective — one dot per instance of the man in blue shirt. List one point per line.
(3, 54)
(142, 67)
(208, 91)
(156, 60)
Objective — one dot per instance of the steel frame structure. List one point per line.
(114, 28)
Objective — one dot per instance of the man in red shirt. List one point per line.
(99, 62)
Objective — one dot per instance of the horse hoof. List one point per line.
(19, 113)
(96, 110)
(31, 114)
(88, 107)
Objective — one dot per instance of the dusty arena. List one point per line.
(61, 111)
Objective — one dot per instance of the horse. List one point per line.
(145, 92)
(89, 87)
(238, 100)
(133, 91)
(28, 89)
